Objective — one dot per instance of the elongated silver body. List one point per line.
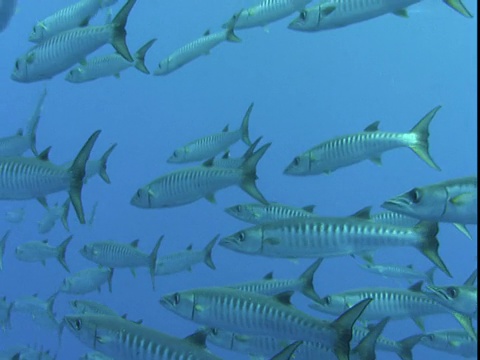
(399, 271)
(456, 342)
(193, 50)
(68, 18)
(126, 340)
(39, 251)
(256, 314)
(115, 255)
(91, 307)
(87, 280)
(394, 218)
(7, 9)
(266, 12)
(5, 312)
(330, 237)
(256, 213)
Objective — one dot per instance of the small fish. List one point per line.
(93, 213)
(400, 272)
(91, 307)
(7, 9)
(24, 178)
(185, 186)
(3, 242)
(194, 49)
(209, 146)
(108, 65)
(17, 144)
(15, 216)
(87, 280)
(265, 13)
(67, 48)
(184, 260)
(258, 214)
(453, 201)
(347, 150)
(456, 342)
(5, 312)
(124, 339)
(35, 251)
(47, 222)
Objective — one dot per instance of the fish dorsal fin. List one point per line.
(402, 13)
(208, 163)
(225, 129)
(284, 297)
(471, 279)
(207, 32)
(372, 127)
(197, 338)
(226, 155)
(44, 154)
(189, 247)
(134, 243)
(19, 132)
(268, 276)
(84, 22)
(417, 287)
(309, 208)
(363, 213)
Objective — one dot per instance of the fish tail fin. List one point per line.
(51, 301)
(65, 211)
(405, 346)
(458, 6)
(8, 323)
(109, 280)
(140, 57)
(119, 33)
(250, 174)
(207, 259)
(153, 260)
(62, 248)
(103, 164)
(429, 274)
(429, 244)
(2, 247)
(249, 152)
(77, 171)
(31, 128)
(307, 280)
(61, 326)
(244, 126)
(343, 327)
(420, 147)
(366, 347)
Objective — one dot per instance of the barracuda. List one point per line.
(226, 161)
(126, 340)
(338, 13)
(91, 308)
(347, 150)
(262, 214)
(75, 15)
(191, 184)
(329, 237)
(256, 314)
(399, 271)
(456, 342)
(24, 178)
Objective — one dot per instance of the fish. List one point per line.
(87, 280)
(91, 307)
(70, 17)
(393, 218)
(5, 313)
(333, 236)
(64, 50)
(257, 314)
(23, 178)
(96, 166)
(35, 251)
(3, 242)
(184, 260)
(95, 355)
(335, 14)
(47, 222)
(209, 146)
(288, 352)
(265, 13)
(15, 216)
(91, 219)
(226, 161)
(7, 9)
(17, 144)
(29, 353)
(194, 50)
(109, 65)
(270, 286)
(188, 185)
(456, 342)
(118, 255)
(258, 214)
(124, 339)
(346, 150)
(461, 300)
(453, 201)
(400, 272)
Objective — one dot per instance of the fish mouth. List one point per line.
(399, 202)
(437, 291)
(229, 241)
(166, 302)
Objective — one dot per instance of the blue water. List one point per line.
(306, 88)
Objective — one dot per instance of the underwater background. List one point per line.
(306, 87)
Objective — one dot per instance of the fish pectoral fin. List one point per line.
(463, 229)
(377, 160)
(199, 308)
(266, 29)
(463, 199)
(211, 198)
(43, 262)
(251, 12)
(132, 270)
(368, 257)
(116, 76)
(419, 322)
(103, 339)
(272, 241)
(402, 13)
(466, 322)
(455, 343)
(327, 10)
(83, 62)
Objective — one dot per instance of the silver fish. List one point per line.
(35, 251)
(87, 280)
(226, 161)
(346, 150)
(15, 216)
(209, 146)
(456, 342)
(47, 222)
(399, 271)
(255, 213)
(91, 307)
(5, 312)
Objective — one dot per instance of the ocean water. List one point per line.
(307, 88)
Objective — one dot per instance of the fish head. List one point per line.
(424, 203)
(305, 21)
(89, 251)
(331, 304)
(20, 71)
(462, 299)
(75, 75)
(66, 285)
(300, 165)
(179, 155)
(38, 34)
(84, 328)
(243, 212)
(180, 303)
(142, 198)
(248, 241)
(222, 338)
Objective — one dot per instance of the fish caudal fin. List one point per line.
(249, 168)
(153, 260)
(366, 347)
(31, 128)
(429, 244)
(77, 171)
(458, 6)
(62, 248)
(119, 33)
(405, 346)
(65, 211)
(307, 280)
(420, 147)
(207, 259)
(103, 164)
(140, 57)
(244, 126)
(343, 327)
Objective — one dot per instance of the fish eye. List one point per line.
(215, 331)
(241, 236)
(303, 15)
(176, 298)
(328, 300)
(452, 292)
(34, 30)
(17, 65)
(175, 153)
(139, 193)
(415, 195)
(296, 161)
(238, 208)
(78, 324)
